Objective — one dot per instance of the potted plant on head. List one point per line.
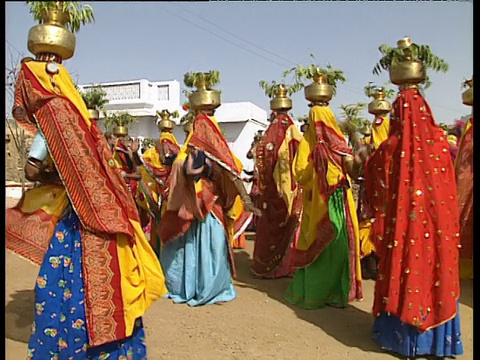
(95, 99)
(379, 106)
(204, 97)
(166, 124)
(279, 93)
(58, 21)
(120, 122)
(353, 123)
(407, 63)
(324, 81)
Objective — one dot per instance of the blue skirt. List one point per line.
(196, 265)
(59, 328)
(393, 335)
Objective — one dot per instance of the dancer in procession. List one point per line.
(380, 107)
(328, 249)
(464, 176)
(98, 274)
(410, 184)
(157, 164)
(195, 229)
(280, 198)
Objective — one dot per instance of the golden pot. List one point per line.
(407, 72)
(120, 131)
(205, 99)
(467, 97)
(53, 39)
(94, 114)
(319, 90)
(281, 102)
(379, 106)
(187, 127)
(166, 125)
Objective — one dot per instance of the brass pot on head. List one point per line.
(94, 114)
(281, 101)
(203, 98)
(319, 90)
(52, 36)
(188, 126)
(165, 123)
(379, 106)
(120, 131)
(409, 71)
(467, 95)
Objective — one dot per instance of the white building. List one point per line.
(142, 99)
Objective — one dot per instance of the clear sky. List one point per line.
(249, 41)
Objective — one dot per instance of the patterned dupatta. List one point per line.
(410, 181)
(111, 235)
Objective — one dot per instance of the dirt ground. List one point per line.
(258, 325)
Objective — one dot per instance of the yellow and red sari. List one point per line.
(152, 192)
(380, 128)
(280, 199)
(328, 248)
(126, 164)
(121, 273)
(464, 176)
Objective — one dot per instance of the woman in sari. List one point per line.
(328, 250)
(410, 184)
(464, 176)
(196, 230)
(280, 200)
(157, 164)
(98, 274)
(380, 107)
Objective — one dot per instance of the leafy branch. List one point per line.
(95, 97)
(271, 88)
(371, 88)
(201, 79)
(122, 119)
(78, 13)
(312, 71)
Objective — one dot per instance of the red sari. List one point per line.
(464, 172)
(410, 183)
(126, 164)
(276, 228)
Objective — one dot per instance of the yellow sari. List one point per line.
(317, 167)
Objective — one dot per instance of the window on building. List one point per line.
(163, 93)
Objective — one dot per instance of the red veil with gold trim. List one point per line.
(411, 181)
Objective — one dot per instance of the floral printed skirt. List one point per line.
(59, 330)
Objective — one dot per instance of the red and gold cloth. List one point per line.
(189, 200)
(121, 274)
(411, 183)
(279, 197)
(126, 164)
(464, 173)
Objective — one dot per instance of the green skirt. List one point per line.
(327, 280)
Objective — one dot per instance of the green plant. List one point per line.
(353, 122)
(371, 88)
(148, 143)
(122, 119)
(410, 52)
(271, 88)
(202, 79)
(175, 114)
(95, 98)
(310, 72)
(78, 13)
